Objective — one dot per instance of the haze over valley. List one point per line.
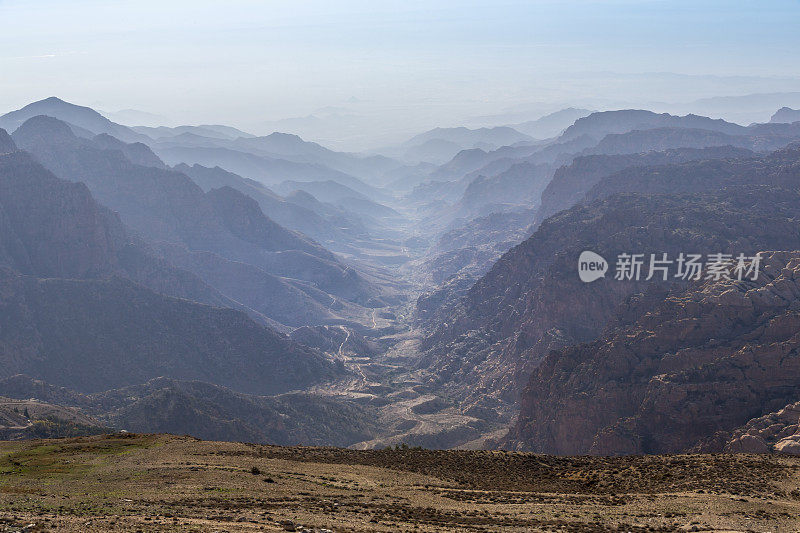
(434, 267)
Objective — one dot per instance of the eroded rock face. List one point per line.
(532, 301)
(777, 432)
(703, 361)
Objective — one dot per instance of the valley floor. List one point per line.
(127, 482)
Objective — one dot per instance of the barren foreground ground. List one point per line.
(166, 483)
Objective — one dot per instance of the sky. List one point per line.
(367, 66)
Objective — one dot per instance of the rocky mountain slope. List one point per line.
(53, 228)
(92, 335)
(702, 361)
(553, 124)
(532, 300)
(204, 410)
(571, 182)
(287, 214)
(165, 206)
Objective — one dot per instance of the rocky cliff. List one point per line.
(703, 360)
(532, 300)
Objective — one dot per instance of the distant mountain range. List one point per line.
(85, 120)
(194, 229)
(87, 306)
(551, 125)
(200, 279)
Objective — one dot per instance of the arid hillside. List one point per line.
(128, 482)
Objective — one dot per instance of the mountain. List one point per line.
(165, 206)
(285, 213)
(92, 335)
(53, 228)
(206, 411)
(325, 191)
(600, 124)
(571, 182)
(207, 130)
(785, 114)
(660, 139)
(497, 136)
(475, 162)
(77, 310)
(779, 169)
(242, 216)
(434, 151)
(700, 362)
(82, 117)
(553, 124)
(268, 170)
(136, 153)
(439, 145)
(272, 158)
(520, 185)
(532, 301)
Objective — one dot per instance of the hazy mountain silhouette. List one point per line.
(164, 205)
(553, 124)
(82, 117)
(54, 228)
(786, 115)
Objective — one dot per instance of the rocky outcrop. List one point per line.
(776, 432)
(702, 361)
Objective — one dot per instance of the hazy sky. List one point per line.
(248, 63)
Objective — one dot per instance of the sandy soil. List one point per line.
(165, 483)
